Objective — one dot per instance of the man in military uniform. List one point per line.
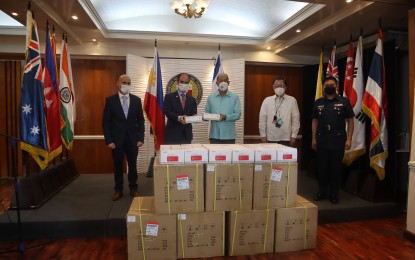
(330, 139)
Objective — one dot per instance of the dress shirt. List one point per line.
(284, 108)
(128, 98)
(229, 105)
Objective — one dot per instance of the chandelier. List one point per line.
(185, 8)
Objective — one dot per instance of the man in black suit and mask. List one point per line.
(178, 105)
(123, 126)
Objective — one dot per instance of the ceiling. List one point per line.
(244, 23)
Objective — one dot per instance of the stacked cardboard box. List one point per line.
(250, 232)
(178, 188)
(256, 185)
(150, 236)
(228, 187)
(200, 234)
(296, 227)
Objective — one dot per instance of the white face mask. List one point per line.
(223, 86)
(279, 91)
(183, 87)
(125, 89)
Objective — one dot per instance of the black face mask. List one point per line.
(329, 90)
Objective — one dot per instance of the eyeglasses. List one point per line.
(278, 86)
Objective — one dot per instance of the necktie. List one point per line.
(125, 105)
(183, 100)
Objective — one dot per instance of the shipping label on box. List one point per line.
(219, 153)
(242, 154)
(228, 187)
(201, 234)
(250, 232)
(178, 188)
(275, 185)
(195, 153)
(296, 227)
(171, 154)
(150, 236)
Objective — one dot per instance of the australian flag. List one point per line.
(33, 125)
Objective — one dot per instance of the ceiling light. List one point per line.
(186, 8)
(74, 17)
(298, 30)
(94, 40)
(349, 1)
(268, 48)
(15, 14)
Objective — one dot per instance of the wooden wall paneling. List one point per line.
(94, 80)
(258, 86)
(10, 83)
(411, 40)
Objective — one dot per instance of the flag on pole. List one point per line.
(319, 85)
(53, 42)
(353, 90)
(375, 106)
(332, 70)
(218, 69)
(153, 102)
(51, 92)
(33, 125)
(67, 97)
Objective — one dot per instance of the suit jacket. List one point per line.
(175, 132)
(116, 127)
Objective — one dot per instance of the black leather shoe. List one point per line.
(334, 200)
(319, 197)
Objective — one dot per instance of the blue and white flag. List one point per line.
(33, 124)
(218, 69)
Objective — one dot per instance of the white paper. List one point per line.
(131, 219)
(152, 229)
(181, 216)
(210, 168)
(258, 167)
(276, 174)
(182, 182)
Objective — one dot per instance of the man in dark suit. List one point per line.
(123, 126)
(178, 105)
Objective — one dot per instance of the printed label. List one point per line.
(182, 182)
(152, 229)
(276, 174)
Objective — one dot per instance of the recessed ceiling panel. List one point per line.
(239, 18)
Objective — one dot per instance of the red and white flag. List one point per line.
(353, 90)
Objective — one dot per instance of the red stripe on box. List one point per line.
(173, 158)
(220, 157)
(152, 223)
(182, 176)
(196, 158)
(243, 157)
(287, 156)
(266, 157)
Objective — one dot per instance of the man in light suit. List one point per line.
(123, 126)
(178, 105)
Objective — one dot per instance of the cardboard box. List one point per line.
(275, 185)
(228, 187)
(296, 227)
(150, 236)
(193, 119)
(178, 188)
(195, 153)
(263, 152)
(171, 154)
(250, 232)
(242, 154)
(219, 153)
(208, 116)
(201, 234)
